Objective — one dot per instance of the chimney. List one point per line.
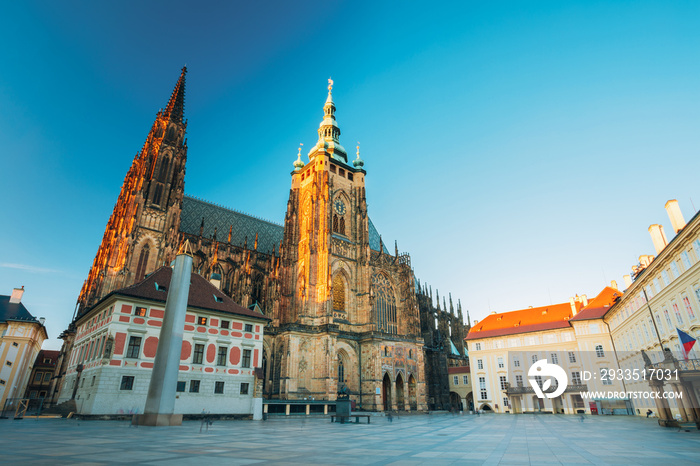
(16, 296)
(645, 260)
(572, 301)
(215, 279)
(628, 280)
(584, 300)
(658, 237)
(613, 285)
(674, 213)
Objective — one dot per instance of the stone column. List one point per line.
(160, 403)
(677, 388)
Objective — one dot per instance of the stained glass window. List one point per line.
(341, 370)
(384, 306)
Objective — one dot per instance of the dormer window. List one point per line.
(218, 299)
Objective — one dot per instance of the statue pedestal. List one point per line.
(156, 420)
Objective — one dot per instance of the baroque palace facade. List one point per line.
(345, 312)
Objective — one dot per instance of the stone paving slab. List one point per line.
(408, 440)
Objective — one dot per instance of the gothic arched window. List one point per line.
(341, 370)
(338, 293)
(143, 263)
(384, 305)
(257, 295)
(341, 227)
(335, 223)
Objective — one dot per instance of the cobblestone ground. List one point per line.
(418, 439)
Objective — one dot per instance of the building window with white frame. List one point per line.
(500, 362)
(572, 356)
(677, 311)
(555, 358)
(483, 394)
(664, 277)
(455, 379)
(534, 358)
(477, 346)
(134, 348)
(674, 269)
(607, 380)
(505, 402)
(502, 381)
(516, 361)
(688, 307)
(479, 364)
(599, 351)
(519, 380)
(686, 260)
(576, 378)
(465, 379)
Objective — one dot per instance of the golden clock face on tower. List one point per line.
(339, 207)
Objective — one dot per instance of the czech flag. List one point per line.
(687, 342)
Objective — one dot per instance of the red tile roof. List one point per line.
(523, 321)
(201, 294)
(599, 305)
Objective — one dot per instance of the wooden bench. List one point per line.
(356, 416)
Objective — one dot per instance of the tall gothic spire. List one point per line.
(329, 132)
(176, 105)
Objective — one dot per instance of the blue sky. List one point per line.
(517, 150)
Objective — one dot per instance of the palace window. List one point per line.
(505, 402)
(502, 381)
(198, 355)
(572, 356)
(674, 269)
(555, 358)
(679, 318)
(218, 387)
(338, 293)
(685, 259)
(500, 362)
(477, 346)
(483, 394)
(519, 380)
(244, 388)
(607, 380)
(181, 386)
(688, 307)
(455, 379)
(140, 311)
(576, 378)
(143, 262)
(201, 321)
(248, 327)
(599, 351)
(664, 277)
(134, 347)
(465, 379)
(221, 360)
(194, 386)
(246, 358)
(516, 361)
(127, 382)
(225, 324)
(384, 306)
(479, 364)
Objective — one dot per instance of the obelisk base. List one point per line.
(157, 420)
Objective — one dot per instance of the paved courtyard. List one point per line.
(419, 439)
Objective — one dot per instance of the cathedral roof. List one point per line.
(241, 225)
(202, 293)
(534, 319)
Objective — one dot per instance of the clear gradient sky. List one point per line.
(517, 150)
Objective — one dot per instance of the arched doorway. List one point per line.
(470, 402)
(455, 401)
(537, 403)
(386, 392)
(486, 408)
(412, 400)
(400, 401)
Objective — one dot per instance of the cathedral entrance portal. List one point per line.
(400, 401)
(412, 401)
(386, 392)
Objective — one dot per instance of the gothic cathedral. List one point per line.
(345, 311)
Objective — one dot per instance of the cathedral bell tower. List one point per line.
(142, 232)
(326, 216)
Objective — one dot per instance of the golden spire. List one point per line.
(185, 249)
